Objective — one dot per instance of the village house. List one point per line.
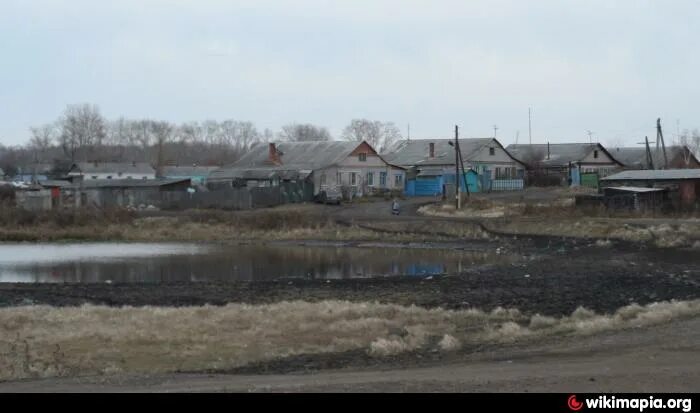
(566, 163)
(354, 167)
(677, 157)
(431, 165)
(112, 170)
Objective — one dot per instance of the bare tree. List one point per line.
(380, 135)
(162, 133)
(691, 140)
(295, 132)
(42, 139)
(82, 128)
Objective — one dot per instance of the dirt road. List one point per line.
(657, 359)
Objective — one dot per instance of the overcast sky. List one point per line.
(611, 67)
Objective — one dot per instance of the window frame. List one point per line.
(382, 179)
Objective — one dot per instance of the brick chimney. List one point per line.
(432, 150)
(273, 156)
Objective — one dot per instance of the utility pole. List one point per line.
(464, 173)
(529, 124)
(457, 183)
(517, 135)
(650, 159)
(495, 128)
(409, 131)
(660, 137)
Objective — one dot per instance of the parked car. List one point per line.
(330, 196)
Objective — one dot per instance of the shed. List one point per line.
(683, 185)
(635, 198)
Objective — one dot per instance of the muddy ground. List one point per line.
(554, 276)
(551, 281)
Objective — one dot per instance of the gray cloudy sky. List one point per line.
(609, 66)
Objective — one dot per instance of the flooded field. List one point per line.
(164, 262)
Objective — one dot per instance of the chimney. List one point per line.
(273, 155)
(547, 150)
(432, 150)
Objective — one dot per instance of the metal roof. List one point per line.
(636, 157)
(128, 183)
(194, 170)
(294, 156)
(114, 167)
(55, 183)
(416, 152)
(635, 189)
(654, 175)
(560, 154)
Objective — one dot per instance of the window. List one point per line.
(94, 177)
(382, 179)
(492, 151)
(323, 179)
(398, 180)
(363, 157)
(370, 179)
(595, 154)
(338, 178)
(109, 176)
(352, 178)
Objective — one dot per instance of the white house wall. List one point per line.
(352, 164)
(482, 160)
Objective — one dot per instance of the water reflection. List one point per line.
(155, 263)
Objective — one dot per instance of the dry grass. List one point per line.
(43, 341)
(284, 223)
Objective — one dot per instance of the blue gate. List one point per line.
(428, 186)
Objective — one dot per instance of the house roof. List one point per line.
(636, 157)
(129, 183)
(114, 167)
(560, 154)
(194, 170)
(55, 183)
(635, 189)
(416, 152)
(654, 175)
(294, 156)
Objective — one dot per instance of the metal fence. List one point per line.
(506, 185)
